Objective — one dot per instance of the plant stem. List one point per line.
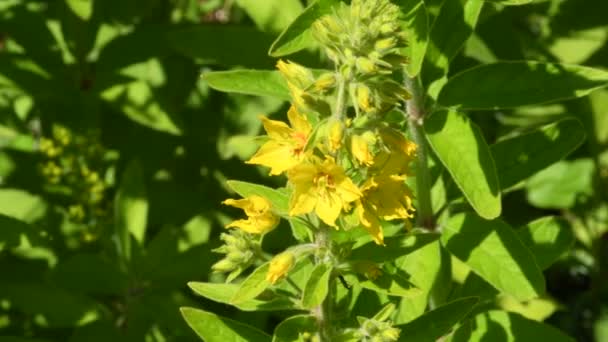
(323, 312)
(340, 101)
(416, 113)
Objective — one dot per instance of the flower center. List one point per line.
(324, 181)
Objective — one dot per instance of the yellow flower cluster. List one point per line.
(318, 169)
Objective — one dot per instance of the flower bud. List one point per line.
(366, 65)
(364, 98)
(360, 150)
(336, 132)
(324, 83)
(279, 266)
(296, 74)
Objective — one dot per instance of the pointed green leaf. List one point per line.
(394, 247)
(438, 322)
(278, 199)
(223, 293)
(131, 207)
(297, 35)
(493, 250)
(317, 286)
(213, 328)
(223, 44)
(451, 29)
(250, 82)
(512, 84)
(416, 27)
(547, 238)
(506, 327)
(424, 265)
(460, 146)
(522, 156)
(291, 329)
(252, 286)
(271, 15)
(395, 284)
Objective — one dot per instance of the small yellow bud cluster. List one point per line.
(364, 38)
(66, 165)
(241, 251)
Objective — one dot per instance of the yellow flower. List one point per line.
(321, 186)
(401, 152)
(360, 150)
(260, 218)
(384, 197)
(286, 146)
(279, 266)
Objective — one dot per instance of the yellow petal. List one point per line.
(328, 208)
(371, 223)
(279, 266)
(298, 121)
(276, 129)
(302, 203)
(279, 157)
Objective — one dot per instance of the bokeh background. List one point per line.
(106, 122)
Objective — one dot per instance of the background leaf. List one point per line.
(547, 238)
(512, 84)
(520, 157)
(291, 329)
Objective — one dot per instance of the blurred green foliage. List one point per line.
(108, 257)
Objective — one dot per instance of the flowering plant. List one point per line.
(355, 153)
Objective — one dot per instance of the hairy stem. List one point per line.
(323, 312)
(341, 99)
(416, 114)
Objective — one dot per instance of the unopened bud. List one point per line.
(279, 266)
(366, 65)
(324, 83)
(336, 132)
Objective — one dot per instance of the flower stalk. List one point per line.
(416, 115)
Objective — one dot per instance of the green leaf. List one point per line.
(512, 84)
(21, 205)
(493, 250)
(392, 282)
(451, 29)
(510, 2)
(138, 101)
(81, 8)
(252, 286)
(90, 274)
(317, 286)
(436, 323)
(278, 199)
(223, 44)
(561, 185)
(394, 247)
(424, 265)
(291, 329)
(416, 27)
(547, 238)
(213, 328)
(460, 146)
(250, 82)
(223, 293)
(508, 327)
(522, 156)
(271, 15)
(297, 35)
(131, 207)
